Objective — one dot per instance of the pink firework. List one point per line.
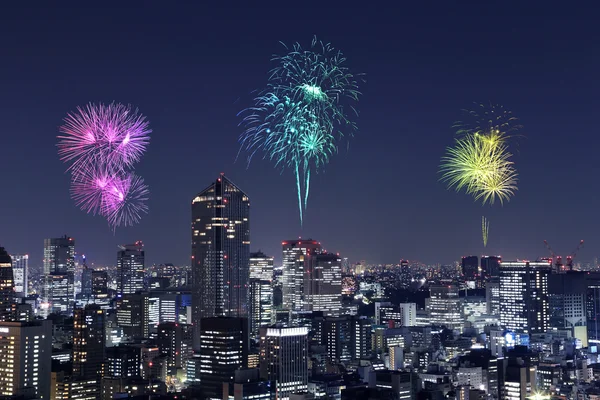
(114, 135)
(89, 188)
(125, 200)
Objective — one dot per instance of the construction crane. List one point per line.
(555, 261)
(571, 256)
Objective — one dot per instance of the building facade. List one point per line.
(130, 268)
(21, 274)
(294, 252)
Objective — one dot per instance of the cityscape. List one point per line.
(343, 253)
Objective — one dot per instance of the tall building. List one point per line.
(133, 314)
(25, 357)
(59, 255)
(323, 283)
(7, 305)
(567, 299)
(294, 252)
(175, 340)
(470, 267)
(490, 266)
(59, 271)
(220, 252)
(130, 268)
(261, 305)
(284, 359)
(88, 343)
(223, 350)
(524, 303)
(20, 265)
(261, 266)
(492, 296)
(99, 284)
(443, 306)
(87, 291)
(408, 311)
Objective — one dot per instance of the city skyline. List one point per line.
(420, 73)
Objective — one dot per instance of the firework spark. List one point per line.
(101, 143)
(298, 119)
(111, 134)
(485, 230)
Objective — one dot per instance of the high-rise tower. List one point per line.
(20, 273)
(294, 252)
(130, 268)
(220, 252)
(59, 255)
(6, 287)
(59, 270)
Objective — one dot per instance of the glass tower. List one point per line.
(130, 268)
(20, 271)
(220, 252)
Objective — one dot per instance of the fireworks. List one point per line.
(298, 119)
(101, 143)
(485, 230)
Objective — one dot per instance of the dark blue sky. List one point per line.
(190, 68)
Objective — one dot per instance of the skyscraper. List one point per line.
(284, 359)
(444, 306)
(524, 303)
(261, 305)
(261, 266)
(490, 266)
(25, 355)
(20, 271)
(470, 267)
(220, 252)
(59, 270)
(6, 287)
(130, 268)
(323, 283)
(293, 271)
(224, 349)
(59, 255)
(88, 343)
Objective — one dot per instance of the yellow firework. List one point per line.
(485, 230)
(480, 164)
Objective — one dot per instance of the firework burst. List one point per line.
(298, 119)
(485, 230)
(101, 143)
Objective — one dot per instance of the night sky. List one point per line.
(190, 68)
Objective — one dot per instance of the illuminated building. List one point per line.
(567, 297)
(524, 303)
(443, 306)
(294, 252)
(25, 357)
(220, 253)
(88, 342)
(175, 340)
(7, 306)
(408, 311)
(223, 350)
(122, 362)
(100, 284)
(490, 266)
(130, 268)
(261, 305)
(284, 359)
(261, 266)
(20, 265)
(492, 296)
(133, 314)
(323, 283)
(59, 269)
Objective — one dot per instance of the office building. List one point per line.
(490, 266)
(492, 296)
(130, 268)
(122, 362)
(261, 305)
(294, 252)
(59, 270)
(7, 306)
(408, 311)
(25, 357)
(99, 284)
(567, 302)
(59, 255)
(284, 359)
(261, 266)
(443, 306)
(175, 340)
(323, 283)
(360, 345)
(524, 303)
(20, 265)
(470, 268)
(88, 342)
(133, 314)
(223, 350)
(86, 293)
(220, 252)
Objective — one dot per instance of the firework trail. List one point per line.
(485, 230)
(297, 121)
(101, 143)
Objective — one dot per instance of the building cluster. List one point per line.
(234, 325)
